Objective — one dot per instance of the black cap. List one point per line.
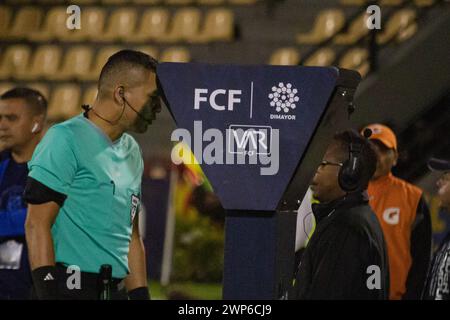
(439, 164)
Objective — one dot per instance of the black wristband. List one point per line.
(44, 282)
(140, 293)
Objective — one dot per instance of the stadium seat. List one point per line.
(89, 95)
(353, 2)
(424, 3)
(210, 2)
(152, 51)
(77, 62)
(178, 2)
(401, 25)
(147, 1)
(285, 57)
(64, 102)
(26, 21)
(321, 58)
(54, 26)
(326, 25)
(356, 31)
(243, 2)
(356, 59)
(15, 61)
(5, 20)
(219, 26)
(114, 2)
(121, 25)
(82, 1)
(100, 60)
(5, 86)
(153, 26)
(176, 54)
(391, 2)
(93, 22)
(186, 23)
(45, 63)
(42, 88)
(366, 2)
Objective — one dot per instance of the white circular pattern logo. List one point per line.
(283, 97)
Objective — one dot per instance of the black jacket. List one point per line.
(346, 257)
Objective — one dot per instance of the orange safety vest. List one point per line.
(395, 202)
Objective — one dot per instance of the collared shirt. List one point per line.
(102, 181)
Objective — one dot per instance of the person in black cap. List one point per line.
(438, 279)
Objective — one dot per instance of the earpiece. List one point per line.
(35, 127)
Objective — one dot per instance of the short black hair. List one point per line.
(368, 155)
(33, 98)
(120, 63)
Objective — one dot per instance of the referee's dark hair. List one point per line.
(367, 154)
(33, 98)
(120, 67)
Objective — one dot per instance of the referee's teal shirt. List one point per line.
(102, 182)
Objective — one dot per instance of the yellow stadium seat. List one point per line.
(356, 31)
(176, 54)
(179, 2)
(353, 2)
(391, 2)
(41, 87)
(64, 102)
(210, 2)
(321, 58)
(326, 25)
(15, 61)
(89, 95)
(147, 1)
(5, 86)
(100, 60)
(26, 21)
(186, 23)
(366, 2)
(5, 20)
(114, 2)
(424, 3)
(45, 63)
(77, 2)
(121, 25)
(401, 25)
(153, 26)
(151, 51)
(92, 22)
(356, 59)
(219, 26)
(243, 2)
(77, 62)
(285, 57)
(54, 26)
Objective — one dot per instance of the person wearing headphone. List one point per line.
(22, 120)
(84, 190)
(404, 217)
(346, 256)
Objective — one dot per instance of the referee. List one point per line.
(84, 187)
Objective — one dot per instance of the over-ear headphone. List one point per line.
(353, 172)
(35, 127)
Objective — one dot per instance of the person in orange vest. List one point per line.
(404, 218)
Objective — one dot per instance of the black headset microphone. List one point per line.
(352, 174)
(87, 107)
